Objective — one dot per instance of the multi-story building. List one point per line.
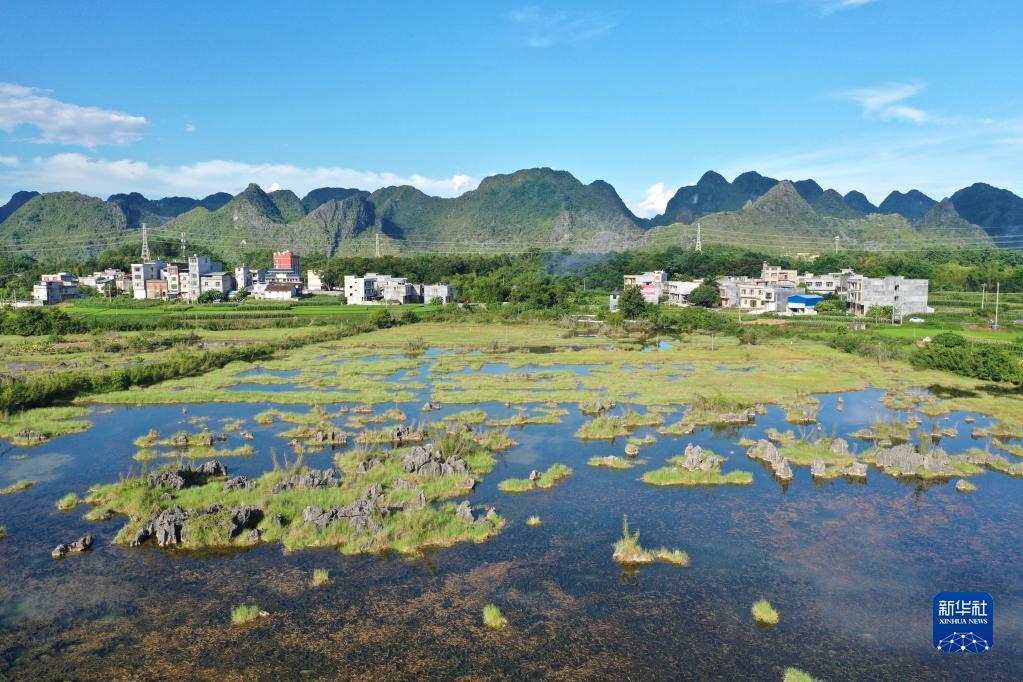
(399, 290)
(836, 283)
(216, 281)
(313, 281)
(142, 273)
(904, 296)
(776, 274)
(50, 291)
(156, 288)
(286, 260)
(176, 275)
(678, 292)
(728, 290)
(363, 289)
(444, 292)
(652, 285)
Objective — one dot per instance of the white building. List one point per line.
(445, 292)
(313, 281)
(245, 277)
(142, 273)
(360, 290)
(904, 296)
(399, 290)
(836, 283)
(51, 291)
(652, 285)
(216, 281)
(678, 292)
(275, 292)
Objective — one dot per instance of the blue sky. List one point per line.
(191, 98)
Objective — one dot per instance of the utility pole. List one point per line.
(998, 290)
(145, 244)
(836, 244)
(983, 294)
(699, 239)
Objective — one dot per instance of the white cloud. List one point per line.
(832, 6)
(656, 200)
(886, 102)
(8, 161)
(101, 177)
(544, 29)
(189, 128)
(63, 123)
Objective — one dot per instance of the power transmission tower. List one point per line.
(836, 244)
(998, 290)
(145, 244)
(378, 246)
(183, 245)
(699, 239)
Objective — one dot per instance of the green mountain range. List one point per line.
(540, 207)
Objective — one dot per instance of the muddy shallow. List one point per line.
(851, 568)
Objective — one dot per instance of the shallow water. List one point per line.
(851, 568)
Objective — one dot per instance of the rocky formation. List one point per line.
(995, 462)
(747, 416)
(964, 486)
(905, 460)
(359, 515)
(765, 451)
(430, 407)
(839, 446)
(168, 527)
(631, 450)
(401, 434)
(534, 475)
(597, 407)
(238, 483)
(82, 544)
(430, 461)
(466, 514)
(309, 479)
(855, 470)
(818, 469)
(177, 479)
(696, 458)
(368, 465)
(330, 438)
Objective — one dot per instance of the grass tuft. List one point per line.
(246, 614)
(69, 501)
(533, 521)
(764, 613)
(321, 576)
(492, 617)
(17, 487)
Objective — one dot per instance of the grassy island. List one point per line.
(17, 487)
(493, 618)
(382, 500)
(33, 427)
(547, 479)
(628, 551)
(690, 473)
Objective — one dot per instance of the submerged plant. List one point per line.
(627, 550)
(492, 617)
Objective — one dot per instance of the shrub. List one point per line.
(381, 318)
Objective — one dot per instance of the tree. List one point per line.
(631, 303)
(210, 296)
(381, 318)
(706, 296)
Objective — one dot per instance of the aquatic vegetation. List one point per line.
(801, 410)
(194, 452)
(537, 480)
(604, 427)
(893, 432)
(468, 417)
(831, 451)
(544, 417)
(391, 415)
(17, 487)
(3, 532)
(381, 501)
(719, 409)
(634, 420)
(232, 424)
(246, 614)
(628, 551)
(147, 440)
(533, 521)
(398, 434)
(978, 457)
(645, 440)
(679, 428)
(797, 675)
(1014, 449)
(416, 345)
(321, 576)
(610, 462)
(495, 441)
(69, 501)
(1003, 430)
(267, 417)
(696, 467)
(36, 426)
(780, 437)
(492, 617)
(764, 613)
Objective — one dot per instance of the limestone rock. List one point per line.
(307, 480)
(82, 544)
(696, 458)
(818, 468)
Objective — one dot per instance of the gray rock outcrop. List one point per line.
(905, 460)
(309, 479)
(82, 544)
(238, 483)
(855, 470)
(818, 468)
(765, 451)
(427, 460)
(696, 458)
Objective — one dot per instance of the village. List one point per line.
(786, 292)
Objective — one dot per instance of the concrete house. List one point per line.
(678, 292)
(653, 285)
(904, 296)
(445, 292)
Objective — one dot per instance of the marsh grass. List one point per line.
(533, 521)
(628, 551)
(891, 431)
(69, 501)
(17, 487)
(801, 410)
(495, 441)
(610, 462)
(41, 424)
(764, 613)
(780, 437)
(675, 474)
(604, 427)
(493, 618)
(246, 614)
(473, 417)
(519, 420)
(1004, 430)
(710, 409)
(1014, 449)
(321, 576)
(3, 532)
(194, 452)
(547, 480)
(797, 675)
(679, 428)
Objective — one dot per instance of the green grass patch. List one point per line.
(17, 487)
(604, 427)
(246, 614)
(797, 675)
(628, 551)
(69, 501)
(764, 613)
(468, 417)
(32, 427)
(492, 617)
(548, 479)
(610, 462)
(321, 576)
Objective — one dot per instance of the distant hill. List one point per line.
(538, 207)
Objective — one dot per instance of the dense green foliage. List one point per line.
(953, 353)
(38, 322)
(631, 303)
